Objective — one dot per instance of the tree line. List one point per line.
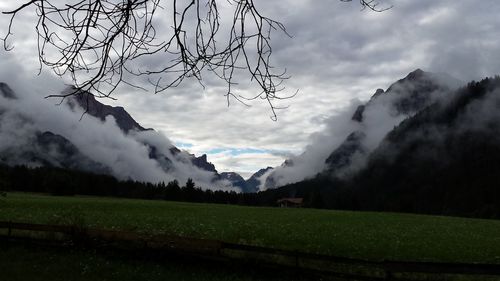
(64, 182)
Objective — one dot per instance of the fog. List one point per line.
(381, 114)
(127, 156)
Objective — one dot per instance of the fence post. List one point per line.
(219, 249)
(388, 275)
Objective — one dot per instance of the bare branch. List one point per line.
(371, 4)
(99, 43)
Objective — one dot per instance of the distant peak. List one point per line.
(416, 74)
(202, 163)
(93, 107)
(231, 176)
(261, 172)
(6, 91)
(377, 93)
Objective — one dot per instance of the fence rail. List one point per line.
(341, 266)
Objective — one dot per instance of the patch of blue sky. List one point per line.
(181, 144)
(239, 151)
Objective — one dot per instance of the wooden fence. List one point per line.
(325, 264)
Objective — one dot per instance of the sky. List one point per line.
(337, 56)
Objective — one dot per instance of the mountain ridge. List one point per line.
(48, 146)
(442, 160)
(402, 98)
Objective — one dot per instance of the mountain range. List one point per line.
(364, 128)
(443, 158)
(49, 145)
(424, 145)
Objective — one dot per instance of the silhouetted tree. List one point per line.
(190, 184)
(173, 191)
(4, 183)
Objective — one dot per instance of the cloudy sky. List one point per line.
(338, 55)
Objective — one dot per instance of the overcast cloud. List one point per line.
(337, 54)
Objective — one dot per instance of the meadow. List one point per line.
(364, 235)
(20, 262)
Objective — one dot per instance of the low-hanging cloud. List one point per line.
(312, 160)
(380, 114)
(449, 133)
(126, 155)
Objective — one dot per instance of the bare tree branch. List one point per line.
(95, 42)
(371, 4)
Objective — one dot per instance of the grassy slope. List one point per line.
(351, 234)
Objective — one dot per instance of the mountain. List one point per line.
(341, 157)
(126, 123)
(405, 97)
(410, 94)
(85, 134)
(56, 151)
(247, 186)
(42, 148)
(369, 123)
(51, 150)
(442, 160)
(235, 179)
(253, 183)
(202, 163)
(7, 91)
(99, 110)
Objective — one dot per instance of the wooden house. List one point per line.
(290, 202)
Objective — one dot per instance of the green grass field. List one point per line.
(363, 235)
(20, 262)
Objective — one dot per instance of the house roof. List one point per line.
(291, 200)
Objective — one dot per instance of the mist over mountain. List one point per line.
(84, 134)
(442, 160)
(349, 137)
(250, 185)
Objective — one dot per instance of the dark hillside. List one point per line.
(443, 160)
